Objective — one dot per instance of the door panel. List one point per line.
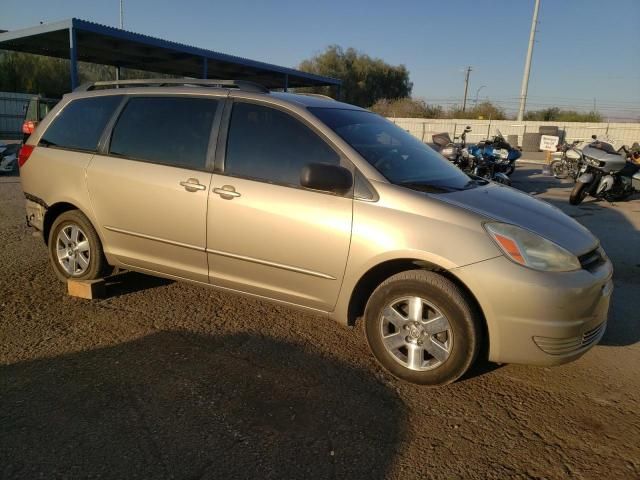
(147, 218)
(285, 243)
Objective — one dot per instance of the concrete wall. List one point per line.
(12, 109)
(424, 128)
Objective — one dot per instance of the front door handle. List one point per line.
(228, 192)
(193, 185)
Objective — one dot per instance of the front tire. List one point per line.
(421, 328)
(578, 194)
(559, 169)
(75, 249)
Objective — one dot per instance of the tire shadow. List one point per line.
(184, 405)
(131, 282)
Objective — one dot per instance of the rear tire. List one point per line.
(421, 328)
(578, 194)
(75, 249)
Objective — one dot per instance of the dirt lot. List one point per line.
(168, 380)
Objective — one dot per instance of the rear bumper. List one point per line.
(36, 210)
(539, 318)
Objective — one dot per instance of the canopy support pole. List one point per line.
(73, 58)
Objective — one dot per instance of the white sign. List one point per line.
(549, 142)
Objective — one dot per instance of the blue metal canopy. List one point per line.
(81, 40)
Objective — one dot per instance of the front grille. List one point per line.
(563, 346)
(591, 260)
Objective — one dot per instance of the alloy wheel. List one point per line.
(416, 333)
(73, 250)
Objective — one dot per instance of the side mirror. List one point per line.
(326, 177)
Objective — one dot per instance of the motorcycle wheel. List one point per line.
(578, 194)
(559, 169)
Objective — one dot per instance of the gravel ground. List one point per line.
(169, 380)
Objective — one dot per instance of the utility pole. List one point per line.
(527, 64)
(466, 88)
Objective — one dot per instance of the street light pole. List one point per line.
(527, 64)
(477, 92)
(466, 88)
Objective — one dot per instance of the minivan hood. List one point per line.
(509, 205)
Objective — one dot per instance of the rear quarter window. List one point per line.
(80, 123)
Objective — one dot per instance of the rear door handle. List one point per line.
(192, 185)
(228, 192)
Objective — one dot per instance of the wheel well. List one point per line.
(378, 274)
(53, 212)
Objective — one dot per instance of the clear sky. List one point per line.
(585, 49)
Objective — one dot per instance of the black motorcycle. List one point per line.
(456, 153)
(605, 174)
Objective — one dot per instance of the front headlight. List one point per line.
(593, 162)
(531, 250)
(447, 151)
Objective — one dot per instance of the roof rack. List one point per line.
(318, 95)
(169, 82)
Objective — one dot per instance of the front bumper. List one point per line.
(539, 318)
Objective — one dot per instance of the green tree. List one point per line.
(485, 110)
(365, 80)
(557, 115)
(407, 108)
(51, 77)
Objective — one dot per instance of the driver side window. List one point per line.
(270, 145)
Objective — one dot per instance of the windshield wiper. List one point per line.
(476, 181)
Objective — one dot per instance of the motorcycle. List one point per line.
(498, 151)
(566, 162)
(605, 174)
(454, 152)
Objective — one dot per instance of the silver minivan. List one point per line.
(316, 204)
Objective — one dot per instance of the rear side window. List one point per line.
(80, 124)
(168, 130)
(270, 145)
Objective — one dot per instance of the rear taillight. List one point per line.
(28, 127)
(25, 153)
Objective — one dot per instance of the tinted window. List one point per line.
(80, 124)
(397, 155)
(267, 144)
(168, 130)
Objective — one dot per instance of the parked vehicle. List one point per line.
(36, 110)
(9, 158)
(319, 205)
(567, 161)
(456, 153)
(498, 151)
(605, 174)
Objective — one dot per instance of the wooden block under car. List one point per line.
(88, 289)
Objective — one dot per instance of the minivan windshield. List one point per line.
(397, 155)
